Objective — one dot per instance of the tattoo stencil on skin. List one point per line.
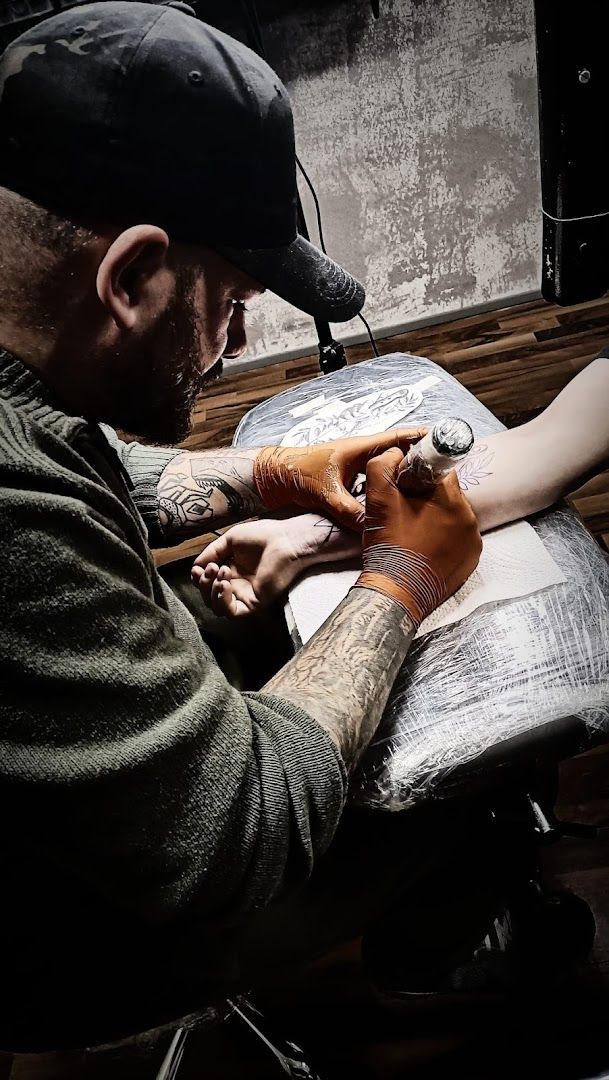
(475, 466)
(470, 472)
(358, 491)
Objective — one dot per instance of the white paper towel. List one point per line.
(513, 563)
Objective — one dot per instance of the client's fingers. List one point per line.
(204, 578)
(221, 597)
(216, 552)
(224, 602)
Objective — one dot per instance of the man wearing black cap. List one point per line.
(150, 811)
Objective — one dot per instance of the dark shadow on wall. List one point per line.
(323, 26)
(321, 32)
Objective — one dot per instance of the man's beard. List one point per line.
(155, 391)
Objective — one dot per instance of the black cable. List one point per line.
(323, 245)
(253, 23)
(316, 201)
(330, 350)
(370, 334)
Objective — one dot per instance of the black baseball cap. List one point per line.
(127, 112)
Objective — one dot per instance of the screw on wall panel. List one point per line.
(584, 75)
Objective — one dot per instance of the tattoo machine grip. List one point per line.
(432, 458)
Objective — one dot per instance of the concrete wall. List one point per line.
(419, 132)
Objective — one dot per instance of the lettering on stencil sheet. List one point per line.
(371, 412)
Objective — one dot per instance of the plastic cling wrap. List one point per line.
(506, 670)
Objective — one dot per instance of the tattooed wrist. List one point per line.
(330, 541)
(206, 491)
(344, 674)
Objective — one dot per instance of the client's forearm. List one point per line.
(515, 473)
(502, 480)
(495, 476)
(512, 474)
(573, 431)
(486, 477)
(506, 476)
(320, 540)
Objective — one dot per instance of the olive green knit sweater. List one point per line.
(145, 803)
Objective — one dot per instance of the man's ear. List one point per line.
(126, 272)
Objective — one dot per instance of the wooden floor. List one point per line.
(515, 360)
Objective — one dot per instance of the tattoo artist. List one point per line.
(157, 823)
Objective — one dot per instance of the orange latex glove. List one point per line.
(420, 548)
(318, 477)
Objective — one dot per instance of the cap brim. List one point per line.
(301, 274)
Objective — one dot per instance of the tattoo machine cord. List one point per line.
(331, 352)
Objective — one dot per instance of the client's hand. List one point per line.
(417, 549)
(251, 565)
(318, 477)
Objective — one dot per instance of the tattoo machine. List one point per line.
(430, 459)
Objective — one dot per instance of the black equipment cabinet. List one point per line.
(573, 78)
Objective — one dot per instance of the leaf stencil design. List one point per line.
(475, 467)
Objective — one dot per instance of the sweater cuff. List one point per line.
(144, 465)
(325, 759)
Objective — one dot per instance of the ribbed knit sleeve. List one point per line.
(145, 773)
(144, 465)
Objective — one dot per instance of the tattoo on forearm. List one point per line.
(344, 675)
(327, 530)
(475, 466)
(203, 492)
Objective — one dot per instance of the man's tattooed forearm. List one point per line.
(343, 676)
(202, 492)
(475, 466)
